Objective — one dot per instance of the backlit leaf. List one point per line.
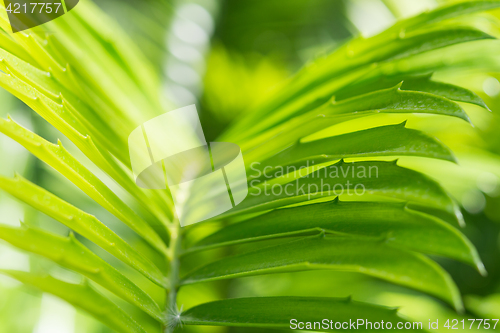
(392, 222)
(72, 254)
(85, 224)
(279, 312)
(82, 296)
(373, 258)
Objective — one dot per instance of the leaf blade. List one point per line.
(70, 253)
(62, 161)
(337, 253)
(422, 83)
(390, 100)
(277, 312)
(377, 178)
(82, 296)
(85, 224)
(390, 140)
(395, 223)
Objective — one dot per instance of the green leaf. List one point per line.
(10, 45)
(392, 100)
(101, 71)
(57, 157)
(485, 307)
(416, 83)
(46, 86)
(445, 12)
(349, 179)
(278, 312)
(85, 224)
(70, 253)
(372, 258)
(111, 36)
(395, 100)
(318, 80)
(44, 95)
(408, 43)
(390, 140)
(97, 93)
(82, 296)
(393, 222)
(449, 91)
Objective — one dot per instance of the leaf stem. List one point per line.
(171, 301)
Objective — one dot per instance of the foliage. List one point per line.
(86, 78)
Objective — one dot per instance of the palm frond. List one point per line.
(91, 83)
